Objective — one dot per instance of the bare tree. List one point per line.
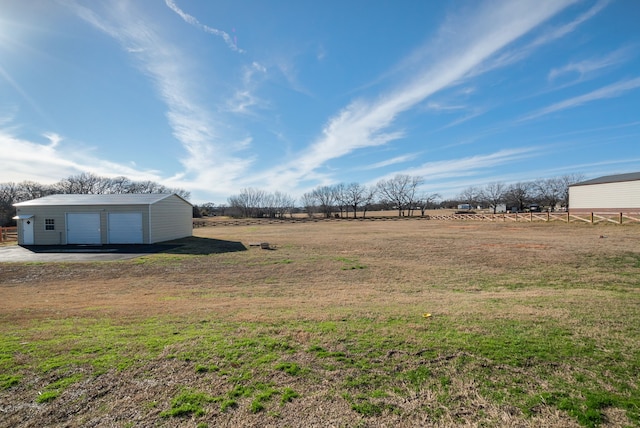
(84, 183)
(326, 198)
(548, 192)
(412, 192)
(248, 201)
(277, 204)
(519, 194)
(341, 198)
(208, 208)
(309, 202)
(400, 191)
(120, 185)
(470, 195)
(369, 196)
(9, 194)
(285, 204)
(426, 200)
(493, 194)
(354, 195)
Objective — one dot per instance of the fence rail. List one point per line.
(592, 218)
(8, 234)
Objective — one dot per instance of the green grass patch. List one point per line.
(54, 389)
(524, 362)
(7, 381)
(289, 368)
(350, 263)
(187, 403)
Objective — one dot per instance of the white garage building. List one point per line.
(610, 194)
(103, 219)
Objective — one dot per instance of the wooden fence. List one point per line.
(592, 218)
(8, 234)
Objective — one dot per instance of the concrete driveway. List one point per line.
(77, 253)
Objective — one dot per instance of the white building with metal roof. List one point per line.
(103, 219)
(612, 193)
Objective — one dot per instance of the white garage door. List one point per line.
(125, 228)
(83, 228)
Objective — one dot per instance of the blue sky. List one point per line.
(217, 96)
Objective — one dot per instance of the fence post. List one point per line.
(591, 218)
(620, 218)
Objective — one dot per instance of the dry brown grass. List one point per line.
(473, 275)
(322, 270)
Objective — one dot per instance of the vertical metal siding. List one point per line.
(622, 195)
(171, 219)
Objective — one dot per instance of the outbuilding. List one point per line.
(103, 219)
(609, 194)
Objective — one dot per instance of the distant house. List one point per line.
(103, 219)
(611, 193)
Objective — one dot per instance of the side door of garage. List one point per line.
(83, 228)
(125, 228)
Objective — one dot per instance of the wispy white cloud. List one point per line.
(514, 55)
(610, 91)
(570, 27)
(589, 66)
(393, 161)
(451, 176)
(436, 106)
(368, 123)
(210, 162)
(231, 42)
(245, 98)
(54, 139)
(7, 77)
(473, 165)
(24, 160)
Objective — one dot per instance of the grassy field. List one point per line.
(412, 323)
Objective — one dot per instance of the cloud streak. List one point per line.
(556, 33)
(610, 91)
(30, 161)
(210, 163)
(230, 42)
(365, 123)
(587, 67)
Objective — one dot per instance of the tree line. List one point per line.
(402, 193)
(547, 194)
(84, 183)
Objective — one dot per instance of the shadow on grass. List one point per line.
(202, 246)
(190, 245)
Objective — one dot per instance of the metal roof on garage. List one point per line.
(115, 199)
(632, 176)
